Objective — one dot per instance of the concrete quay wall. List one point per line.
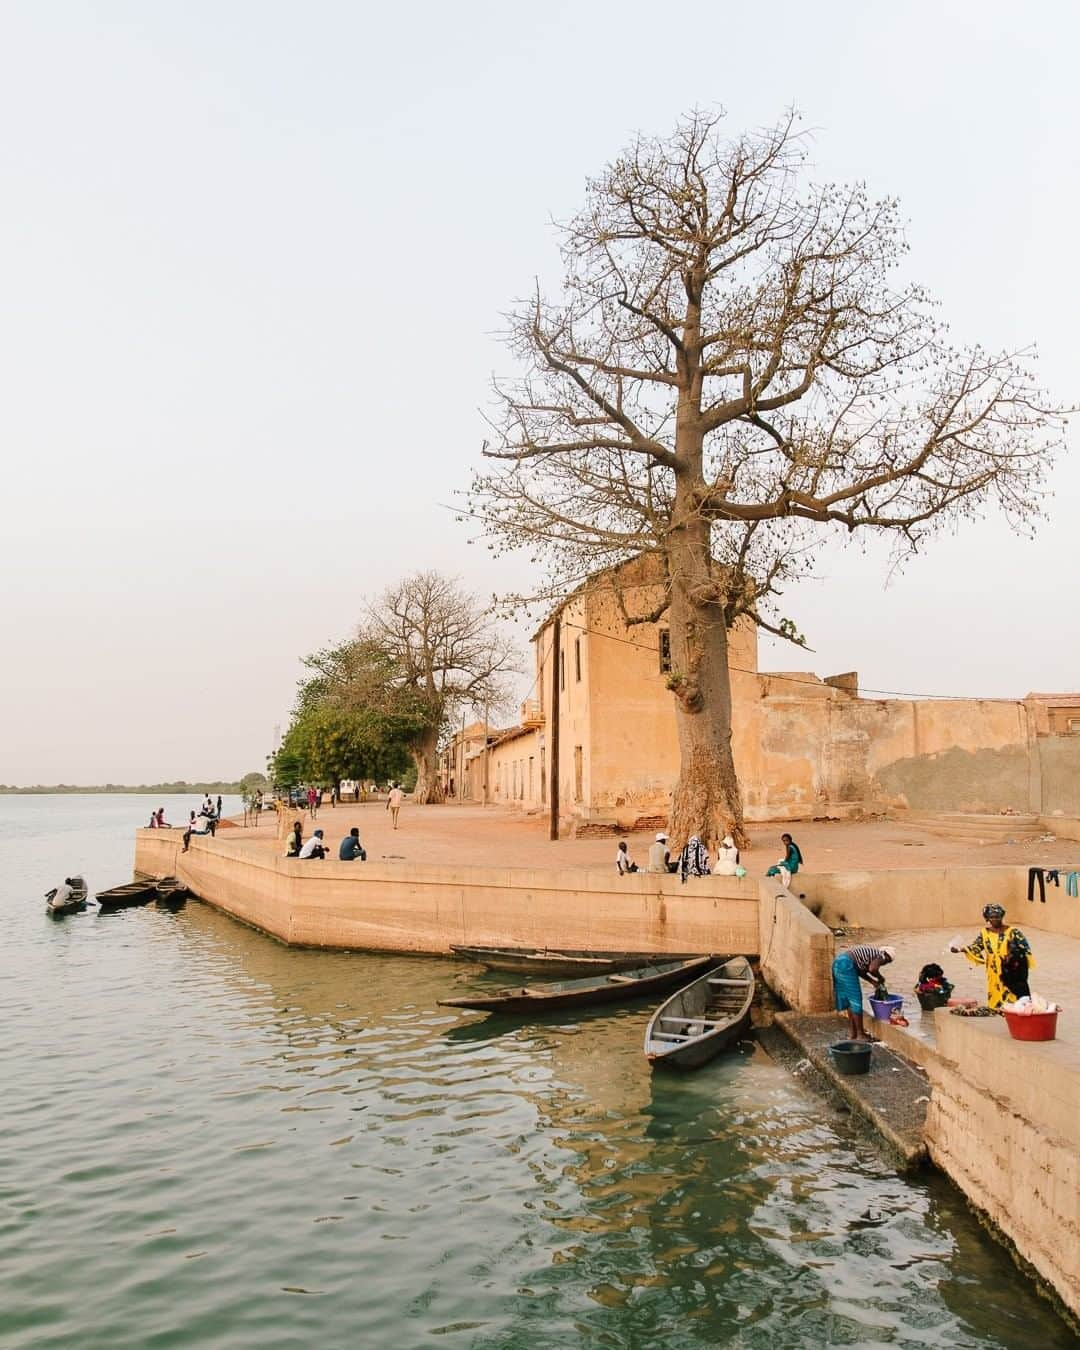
(418, 908)
(1002, 1123)
(796, 950)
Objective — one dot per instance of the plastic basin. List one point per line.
(928, 1002)
(1032, 1026)
(883, 1008)
(850, 1057)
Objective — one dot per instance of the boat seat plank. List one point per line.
(742, 983)
(671, 1036)
(682, 1021)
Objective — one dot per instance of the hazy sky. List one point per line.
(253, 258)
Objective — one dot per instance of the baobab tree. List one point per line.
(731, 373)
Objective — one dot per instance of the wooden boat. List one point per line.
(171, 893)
(124, 897)
(700, 1020)
(559, 963)
(613, 987)
(74, 904)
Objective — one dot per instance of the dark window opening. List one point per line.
(665, 651)
(577, 659)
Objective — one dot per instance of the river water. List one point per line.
(209, 1140)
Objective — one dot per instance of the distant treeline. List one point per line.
(164, 789)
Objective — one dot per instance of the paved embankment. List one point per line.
(893, 1096)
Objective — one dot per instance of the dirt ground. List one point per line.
(496, 836)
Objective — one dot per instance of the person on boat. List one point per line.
(694, 859)
(858, 963)
(659, 856)
(1006, 954)
(623, 861)
(295, 841)
(63, 895)
(790, 863)
(727, 858)
(351, 848)
(314, 848)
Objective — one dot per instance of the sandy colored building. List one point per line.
(804, 745)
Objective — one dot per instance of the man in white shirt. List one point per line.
(623, 861)
(314, 847)
(393, 803)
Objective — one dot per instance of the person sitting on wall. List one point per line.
(659, 857)
(295, 841)
(159, 819)
(858, 963)
(351, 849)
(623, 862)
(314, 848)
(727, 858)
(196, 825)
(693, 860)
(790, 863)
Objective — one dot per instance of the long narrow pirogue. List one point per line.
(133, 893)
(561, 963)
(699, 1021)
(585, 993)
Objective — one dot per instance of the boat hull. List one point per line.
(561, 964)
(701, 1020)
(614, 987)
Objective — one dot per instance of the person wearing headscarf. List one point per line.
(727, 858)
(858, 963)
(694, 859)
(1006, 954)
(790, 863)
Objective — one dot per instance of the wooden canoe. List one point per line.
(133, 893)
(614, 987)
(700, 1020)
(560, 964)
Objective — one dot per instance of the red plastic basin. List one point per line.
(1032, 1027)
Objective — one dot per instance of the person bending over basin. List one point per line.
(858, 963)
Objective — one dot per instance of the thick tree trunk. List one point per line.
(707, 801)
(425, 755)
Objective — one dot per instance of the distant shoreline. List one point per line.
(119, 789)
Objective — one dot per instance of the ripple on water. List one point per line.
(232, 1144)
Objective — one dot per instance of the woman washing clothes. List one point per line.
(858, 963)
(1006, 954)
(790, 863)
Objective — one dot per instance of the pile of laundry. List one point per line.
(1032, 1006)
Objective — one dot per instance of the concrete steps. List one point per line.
(976, 828)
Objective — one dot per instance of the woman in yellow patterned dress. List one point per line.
(1006, 954)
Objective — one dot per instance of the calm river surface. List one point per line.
(209, 1140)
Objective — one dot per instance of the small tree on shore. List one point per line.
(731, 374)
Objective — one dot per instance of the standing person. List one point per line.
(207, 808)
(727, 858)
(333, 796)
(217, 811)
(314, 848)
(393, 803)
(789, 863)
(694, 859)
(623, 862)
(312, 802)
(858, 963)
(659, 857)
(295, 841)
(1006, 954)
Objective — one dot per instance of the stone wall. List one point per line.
(1002, 1124)
(796, 950)
(1059, 771)
(390, 907)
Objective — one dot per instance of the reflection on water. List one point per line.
(213, 1140)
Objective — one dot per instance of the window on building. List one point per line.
(579, 773)
(577, 659)
(665, 651)
(532, 779)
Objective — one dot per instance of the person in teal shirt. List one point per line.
(792, 859)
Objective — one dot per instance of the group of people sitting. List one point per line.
(205, 822)
(349, 850)
(693, 860)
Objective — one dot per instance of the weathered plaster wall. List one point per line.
(1059, 767)
(945, 897)
(796, 950)
(387, 907)
(1002, 1123)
